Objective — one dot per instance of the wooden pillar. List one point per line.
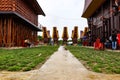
(9, 21)
(112, 15)
(5, 32)
(12, 33)
(1, 32)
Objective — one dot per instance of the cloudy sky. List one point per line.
(61, 13)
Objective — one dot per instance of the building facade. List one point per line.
(18, 21)
(103, 17)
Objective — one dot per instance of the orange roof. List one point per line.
(91, 6)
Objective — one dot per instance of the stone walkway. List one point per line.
(62, 65)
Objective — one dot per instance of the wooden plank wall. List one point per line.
(21, 8)
(105, 20)
(26, 11)
(13, 32)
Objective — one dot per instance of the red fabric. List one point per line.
(118, 38)
(97, 44)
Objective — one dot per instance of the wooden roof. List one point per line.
(91, 6)
(34, 4)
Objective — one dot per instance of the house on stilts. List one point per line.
(103, 17)
(18, 21)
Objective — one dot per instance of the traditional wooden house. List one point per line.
(18, 21)
(45, 35)
(55, 35)
(65, 35)
(75, 35)
(49, 37)
(85, 37)
(103, 17)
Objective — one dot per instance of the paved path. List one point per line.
(62, 65)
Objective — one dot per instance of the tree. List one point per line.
(40, 37)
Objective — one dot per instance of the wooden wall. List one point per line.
(25, 10)
(104, 20)
(21, 7)
(14, 31)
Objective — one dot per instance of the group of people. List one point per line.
(113, 42)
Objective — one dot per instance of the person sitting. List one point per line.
(97, 44)
(107, 43)
(27, 42)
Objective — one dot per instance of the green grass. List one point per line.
(24, 59)
(97, 61)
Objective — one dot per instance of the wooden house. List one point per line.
(103, 17)
(75, 35)
(18, 21)
(49, 37)
(45, 35)
(65, 35)
(55, 35)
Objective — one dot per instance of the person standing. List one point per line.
(114, 40)
(118, 39)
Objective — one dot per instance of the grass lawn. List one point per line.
(24, 59)
(97, 61)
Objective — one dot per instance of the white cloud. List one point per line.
(62, 13)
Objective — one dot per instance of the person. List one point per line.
(114, 40)
(97, 44)
(27, 42)
(107, 43)
(118, 39)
